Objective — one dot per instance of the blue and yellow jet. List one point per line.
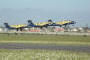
(17, 27)
(65, 23)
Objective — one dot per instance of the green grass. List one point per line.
(42, 55)
(33, 37)
(37, 38)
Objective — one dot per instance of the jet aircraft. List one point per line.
(66, 23)
(16, 27)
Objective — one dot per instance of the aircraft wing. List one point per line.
(41, 24)
(17, 26)
(63, 22)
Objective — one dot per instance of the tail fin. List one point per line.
(50, 21)
(30, 23)
(6, 25)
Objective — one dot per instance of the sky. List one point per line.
(19, 11)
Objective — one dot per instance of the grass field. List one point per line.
(42, 55)
(37, 38)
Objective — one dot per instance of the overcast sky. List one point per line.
(19, 11)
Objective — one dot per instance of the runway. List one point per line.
(44, 47)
